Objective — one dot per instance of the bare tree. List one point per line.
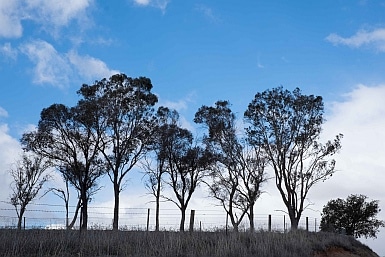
(29, 175)
(287, 126)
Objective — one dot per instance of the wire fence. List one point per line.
(49, 216)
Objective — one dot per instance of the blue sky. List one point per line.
(198, 52)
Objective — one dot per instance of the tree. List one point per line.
(355, 216)
(68, 138)
(155, 173)
(29, 176)
(239, 170)
(287, 126)
(125, 121)
(185, 165)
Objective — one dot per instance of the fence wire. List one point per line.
(50, 216)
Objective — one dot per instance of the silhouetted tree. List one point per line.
(29, 175)
(185, 165)
(155, 172)
(239, 169)
(126, 123)
(355, 216)
(68, 138)
(287, 126)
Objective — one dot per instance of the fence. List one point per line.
(47, 216)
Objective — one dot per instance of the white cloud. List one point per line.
(90, 67)
(8, 51)
(142, 2)
(9, 151)
(51, 15)
(360, 167)
(50, 66)
(10, 19)
(360, 116)
(374, 39)
(178, 106)
(160, 4)
(58, 69)
(57, 13)
(3, 112)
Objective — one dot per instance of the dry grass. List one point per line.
(143, 244)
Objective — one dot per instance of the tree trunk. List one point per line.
(251, 217)
(84, 212)
(293, 219)
(233, 221)
(183, 218)
(71, 225)
(115, 223)
(20, 218)
(157, 209)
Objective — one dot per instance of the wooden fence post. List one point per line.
(24, 223)
(307, 223)
(148, 218)
(269, 223)
(227, 222)
(192, 220)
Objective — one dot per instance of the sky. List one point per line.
(198, 52)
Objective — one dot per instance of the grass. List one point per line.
(138, 243)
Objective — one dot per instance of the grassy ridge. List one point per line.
(143, 244)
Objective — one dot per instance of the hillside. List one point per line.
(162, 244)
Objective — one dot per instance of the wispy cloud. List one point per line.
(160, 4)
(57, 13)
(374, 39)
(8, 51)
(3, 112)
(50, 66)
(10, 19)
(50, 15)
(178, 106)
(90, 67)
(58, 69)
(142, 2)
(207, 12)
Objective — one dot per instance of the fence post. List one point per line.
(307, 224)
(284, 223)
(227, 222)
(24, 223)
(192, 220)
(315, 224)
(148, 218)
(269, 223)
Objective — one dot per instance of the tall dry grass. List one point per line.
(143, 244)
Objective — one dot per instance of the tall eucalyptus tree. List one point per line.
(68, 138)
(239, 169)
(126, 124)
(287, 126)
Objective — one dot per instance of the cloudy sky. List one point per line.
(198, 52)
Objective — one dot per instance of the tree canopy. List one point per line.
(354, 216)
